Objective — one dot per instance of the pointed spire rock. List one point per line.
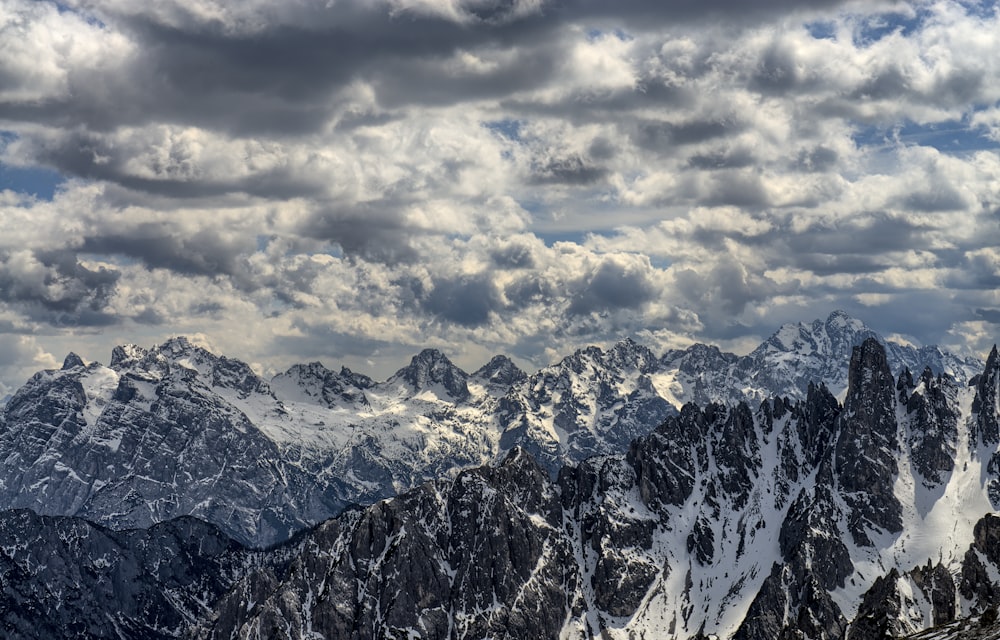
(986, 405)
(72, 361)
(866, 449)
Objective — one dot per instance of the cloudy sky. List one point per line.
(354, 180)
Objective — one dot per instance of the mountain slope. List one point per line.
(67, 578)
(793, 519)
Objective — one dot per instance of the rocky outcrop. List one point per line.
(866, 450)
(67, 578)
(484, 556)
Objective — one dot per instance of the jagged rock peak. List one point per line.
(834, 335)
(628, 352)
(430, 367)
(869, 372)
(700, 350)
(866, 449)
(179, 345)
(72, 361)
(519, 458)
(124, 354)
(624, 354)
(359, 380)
(986, 405)
(840, 319)
(500, 370)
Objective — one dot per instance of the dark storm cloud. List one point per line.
(513, 255)
(286, 78)
(530, 289)
(825, 264)
(777, 72)
(818, 159)
(740, 188)
(54, 287)
(149, 316)
(975, 270)
(202, 253)
(284, 74)
(611, 287)
(586, 108)
(88, 155)
(317, 340)
(371, 231)
(466, 300)
(646, 12)
(419, 81)
(662, 136)
(989, 315)
(569, 171)
(602, 149)
(723, 159)
(939, 198)
(283, 77)
(874, 234)
(727, 288)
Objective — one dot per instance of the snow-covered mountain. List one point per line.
(792, 358)
(176, 430)
(809, 519)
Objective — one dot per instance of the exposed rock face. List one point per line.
(938, 587)
(576, 408)
(332, 389)
(500, 373)
(176, 430)
(987, 403)
(932, 408)
(66, 578)
(484, 556)
(975, 583)
(865, 459)
(431, 368)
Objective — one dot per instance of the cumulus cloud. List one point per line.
(362, 179)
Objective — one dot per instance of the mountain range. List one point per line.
(855, 506)
(175, 430)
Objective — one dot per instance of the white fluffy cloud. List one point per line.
(358, 180)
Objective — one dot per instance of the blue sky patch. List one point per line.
(952, 137)
(822, 30)
(508, 128)
(876, 27)
(36, 181)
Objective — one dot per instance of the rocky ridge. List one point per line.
(176, 430)
(810, 519)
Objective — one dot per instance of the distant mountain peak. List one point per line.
(841, 319)
(72, 361)
(124, 354)
(431, 367)
(500, 370)
(178, 345)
